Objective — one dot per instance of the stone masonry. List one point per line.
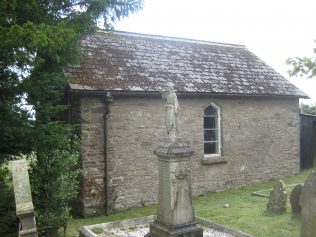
(91, 117)
(260, 141)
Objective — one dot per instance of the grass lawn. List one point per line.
(245, 213)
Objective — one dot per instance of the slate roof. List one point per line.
(121, 61)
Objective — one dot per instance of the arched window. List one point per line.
(212, 145)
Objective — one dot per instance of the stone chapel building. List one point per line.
(240, 116)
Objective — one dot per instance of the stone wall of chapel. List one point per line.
(260, 141)
(92, 191)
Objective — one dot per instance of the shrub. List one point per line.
(8, 218)
(54, 180)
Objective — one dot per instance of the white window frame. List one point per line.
(218, 109)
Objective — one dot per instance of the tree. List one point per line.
(308, 109)
(38, 39)
(8, 223)
(305, 66)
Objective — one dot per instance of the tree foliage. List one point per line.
(308, 109)
(305, 66)
(56, 169)
(38, 39)
(9, 222)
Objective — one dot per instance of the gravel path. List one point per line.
(142, 230)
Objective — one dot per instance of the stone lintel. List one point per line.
(159, 229)
(177, 149)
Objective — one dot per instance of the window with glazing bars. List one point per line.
(211, 131)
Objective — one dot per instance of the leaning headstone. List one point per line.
(175, 214)
(295, 201)
(308, 203)
(277, 199)
(23, 199)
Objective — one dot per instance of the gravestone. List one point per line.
(277, 199)
(308, 203)
(295, 201)
(23, 199)
(175, 214)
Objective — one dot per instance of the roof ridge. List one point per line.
(172, 38)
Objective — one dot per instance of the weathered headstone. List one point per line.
(175, 214)
(308, 203)
(277, 199)
(23, 199)
(295, 201)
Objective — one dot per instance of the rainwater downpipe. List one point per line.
(108, 98)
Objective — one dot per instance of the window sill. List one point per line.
(214, 159)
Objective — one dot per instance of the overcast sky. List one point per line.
(272, 29)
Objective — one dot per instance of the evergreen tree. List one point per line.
(38, 39)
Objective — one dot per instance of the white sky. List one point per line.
(272, 29)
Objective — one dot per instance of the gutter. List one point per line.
(88, 90)
(179, 94)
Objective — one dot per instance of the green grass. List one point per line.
(245, 213)
(97, 230)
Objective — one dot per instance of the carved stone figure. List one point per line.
(181, 198)
(175, 214)
(308, 203)
(295, 201)
(172, 115)
(277, 200)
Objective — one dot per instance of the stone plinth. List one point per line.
(23, 199)
(175, 214)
